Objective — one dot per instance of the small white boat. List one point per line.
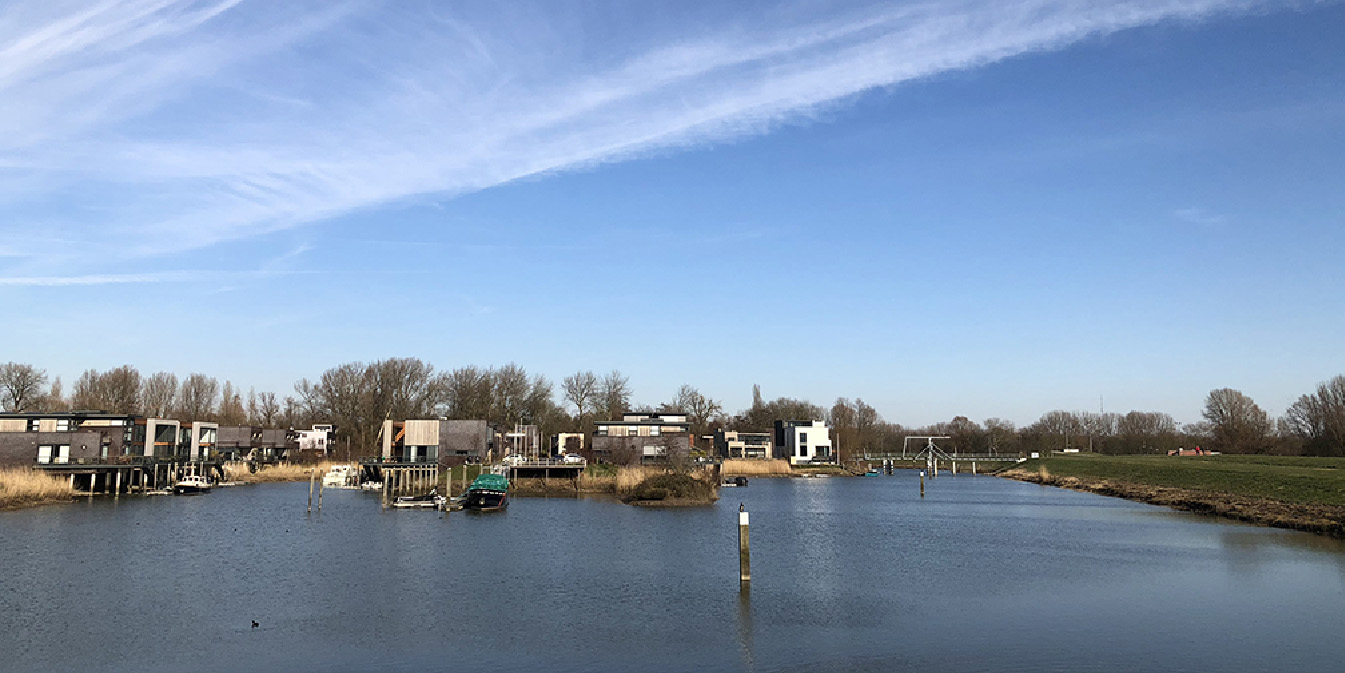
(429, 500)
(372, 486)
(341, 476)
(191, 485)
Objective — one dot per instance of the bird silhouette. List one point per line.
(255, 624)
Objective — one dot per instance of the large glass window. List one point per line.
(44, 454)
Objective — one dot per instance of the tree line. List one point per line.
(357, 397)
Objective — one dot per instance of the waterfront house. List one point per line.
(253, 442)
(643, 437)
(567, 442)
(736, 444)
(803, 442)
(75, 437)
(316, 441)
(435, 441)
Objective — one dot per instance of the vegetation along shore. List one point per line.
(1300, 493)
(24, 487)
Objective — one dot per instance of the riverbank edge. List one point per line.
(16, 504)
(1325, 520)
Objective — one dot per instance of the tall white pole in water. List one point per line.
(744, 556)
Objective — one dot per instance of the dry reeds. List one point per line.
(275, 473)
(25, 487)
(746, 467)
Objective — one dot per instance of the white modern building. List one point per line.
(317, 439)
(803, 442)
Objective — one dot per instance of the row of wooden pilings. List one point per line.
(136, 478)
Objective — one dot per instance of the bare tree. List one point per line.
(1146, 432)
(198, 397)
(116, 391)
(158, 392)
(55, 400)
(1318, 420)
(581, 390)
(1000, 436)
(467, 393)
(22, 385)
(1237, 423)
(121, 390)
(614, 395)
(700, 410)
(268, 410)
(231, 410)
(401, 388)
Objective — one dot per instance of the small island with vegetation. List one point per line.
(672, 489)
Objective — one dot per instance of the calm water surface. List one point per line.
(848, 574)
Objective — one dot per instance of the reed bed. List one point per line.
(751, 467)
(275, 473)
(26, 487)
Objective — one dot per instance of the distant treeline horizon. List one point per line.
(356, 397)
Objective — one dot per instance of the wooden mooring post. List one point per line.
(744, 552)
(922, 483)
(322, 483)
(311, 474)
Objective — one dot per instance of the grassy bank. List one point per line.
(26, 487)
(1288, 492)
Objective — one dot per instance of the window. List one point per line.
(44, 454)
(653, 431)
(632, 432)
(63, 454)
(62, 425)
(803, 438)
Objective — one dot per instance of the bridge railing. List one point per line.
(547, 462)
(911, 456)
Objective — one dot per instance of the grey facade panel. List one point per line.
(460, 440)
(19, 449)
(630, 450)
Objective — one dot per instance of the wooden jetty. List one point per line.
(128, 474)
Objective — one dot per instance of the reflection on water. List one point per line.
(847, 574)
(745, 625)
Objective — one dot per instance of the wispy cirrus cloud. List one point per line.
(1197, 215)
(158, 126)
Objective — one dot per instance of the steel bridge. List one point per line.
(932, 452)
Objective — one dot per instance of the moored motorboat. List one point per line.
(341, 476)
(428, 500)
(191, 485)
(488, 493)
(734, 481)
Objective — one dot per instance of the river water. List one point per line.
(982, 574)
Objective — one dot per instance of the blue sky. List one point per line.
(991, 209)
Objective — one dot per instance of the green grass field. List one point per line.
(1306, 481)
